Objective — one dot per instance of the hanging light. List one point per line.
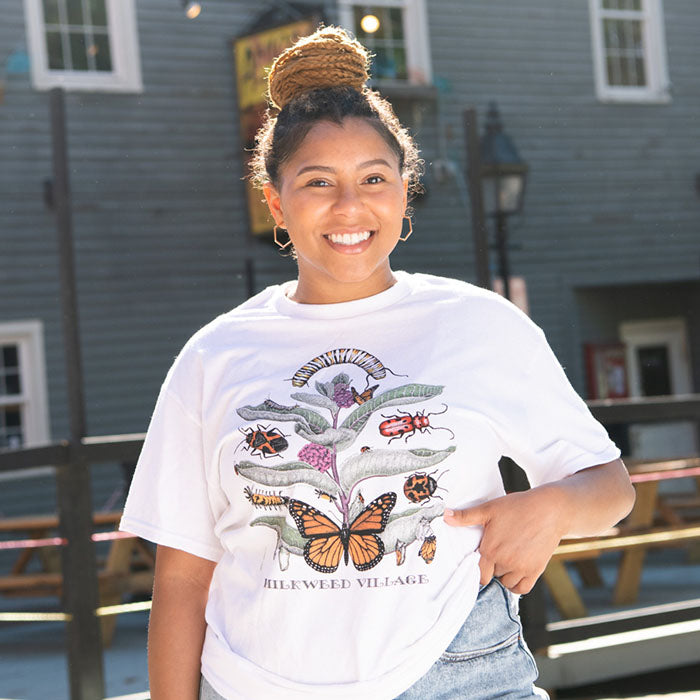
(369, 23)
(503, 171)
(192, 9)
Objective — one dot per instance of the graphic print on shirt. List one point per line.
(334, 462)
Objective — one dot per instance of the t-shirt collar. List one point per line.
(345, 309)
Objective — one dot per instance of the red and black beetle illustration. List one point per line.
(406, 424)
(420, 487)
(264, 441)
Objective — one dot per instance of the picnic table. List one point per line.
(656, 520)
(127, 567)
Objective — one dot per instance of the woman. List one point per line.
(321, 470)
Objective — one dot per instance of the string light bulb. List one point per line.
(369, 23)
(192, 9)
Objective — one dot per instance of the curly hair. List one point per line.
(323, 77)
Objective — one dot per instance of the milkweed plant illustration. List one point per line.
(337, 466)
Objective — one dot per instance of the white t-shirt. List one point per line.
(310, 451)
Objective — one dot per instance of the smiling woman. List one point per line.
(279, 550)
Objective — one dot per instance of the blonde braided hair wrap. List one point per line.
(327, 58)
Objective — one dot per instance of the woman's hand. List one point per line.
(522, 530)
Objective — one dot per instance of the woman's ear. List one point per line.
(274, 203)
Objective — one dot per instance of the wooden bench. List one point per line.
(127, 568)
(655, 521)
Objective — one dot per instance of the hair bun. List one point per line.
(327, 58)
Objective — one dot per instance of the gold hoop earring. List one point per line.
(274, 235)
(410, 229)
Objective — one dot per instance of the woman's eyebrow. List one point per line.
(327, 169)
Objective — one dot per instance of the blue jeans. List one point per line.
(487, 659)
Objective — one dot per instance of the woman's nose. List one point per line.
(348, 201)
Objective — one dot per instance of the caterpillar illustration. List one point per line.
(369, 363)
(265, 499)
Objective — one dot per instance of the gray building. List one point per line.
(600, 96)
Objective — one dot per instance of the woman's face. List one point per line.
(342, 199)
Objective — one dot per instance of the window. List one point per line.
(629, 51)
(400, 43)
(23, 406)
(83, 44)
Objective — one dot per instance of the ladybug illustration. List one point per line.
(406, 424)
(265, 442)
(420, 487)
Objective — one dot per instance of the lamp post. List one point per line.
(503, 175)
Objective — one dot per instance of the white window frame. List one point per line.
(28, 336)
(657, 89)
(125, 75)
(415, 28)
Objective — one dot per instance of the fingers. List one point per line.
(486, 566)
(467, 517)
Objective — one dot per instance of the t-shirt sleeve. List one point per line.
(552, 433)
(170, 499)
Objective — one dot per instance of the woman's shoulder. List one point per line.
(479, 309)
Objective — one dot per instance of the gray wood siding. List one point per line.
(159, 214)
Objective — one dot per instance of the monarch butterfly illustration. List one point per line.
(328, 542)
(341, 356)
(366, 395)
(265, 499)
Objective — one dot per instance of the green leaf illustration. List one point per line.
(388, 463)
(408, 393)
(287, 536)
(410, 525)
(341, 378)
(286, 474)
(340, 438)
(324, 389)
(316, 400)
(270, 410)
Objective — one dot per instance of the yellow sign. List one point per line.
(254, 55)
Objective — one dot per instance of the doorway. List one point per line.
(658, 365)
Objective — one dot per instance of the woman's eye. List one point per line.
(318, 183)
(374, 179)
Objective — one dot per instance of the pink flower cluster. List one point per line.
(343, 396)
(318, 456)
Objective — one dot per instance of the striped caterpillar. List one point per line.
(265, 499)
(369, 363)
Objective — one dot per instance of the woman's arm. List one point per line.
(522, 530)
(177, 625)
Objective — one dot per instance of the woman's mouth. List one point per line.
(349, 239)
(350, 242)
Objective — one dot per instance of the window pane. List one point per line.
(51, 12)
(641, 72)
(400, 62)
(395, 15)
(100, 50)
(98, 13)
(12, 383)
(54, 49)
(654, 370)
(75, 11)
(78, 51)
(11, 427)
(10, 356)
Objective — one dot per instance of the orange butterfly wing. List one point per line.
(374, 517)
(328, 543)
(325, 548)
(364, 546)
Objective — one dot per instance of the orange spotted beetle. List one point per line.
(265, 442)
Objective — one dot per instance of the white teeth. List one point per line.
(349, 238)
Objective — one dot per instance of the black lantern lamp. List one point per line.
(503, 175)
